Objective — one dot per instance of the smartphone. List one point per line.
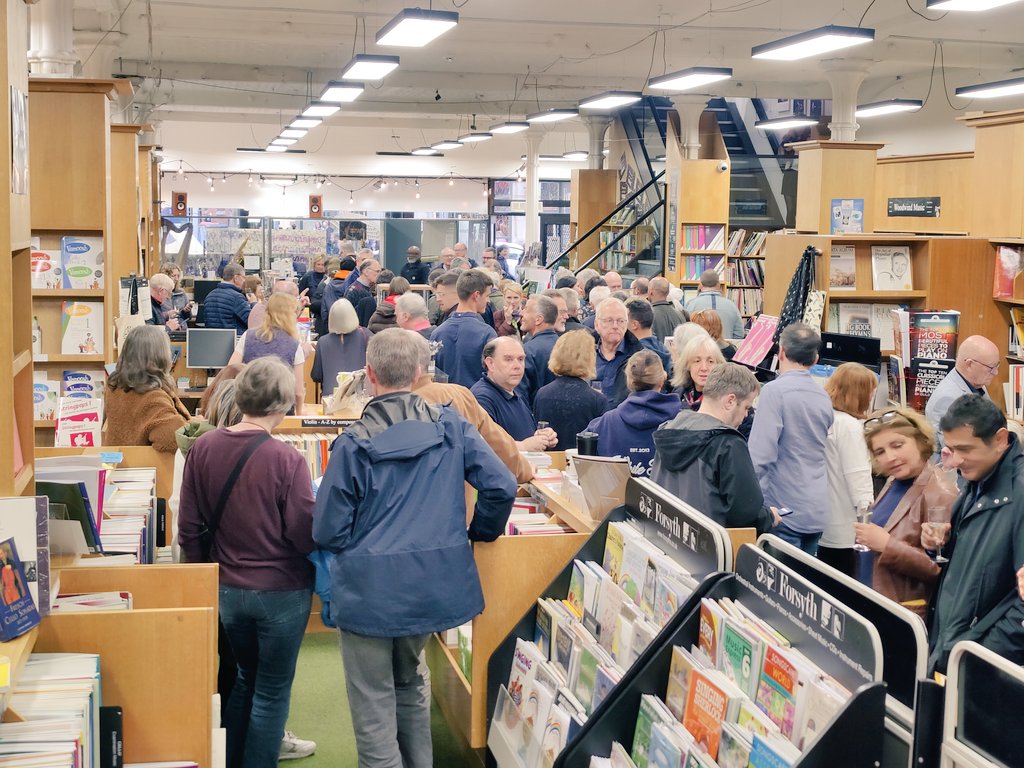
(783, 511)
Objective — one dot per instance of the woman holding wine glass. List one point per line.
(917, 493)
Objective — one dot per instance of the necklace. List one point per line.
(251, 424)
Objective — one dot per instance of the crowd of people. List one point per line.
(922, 508)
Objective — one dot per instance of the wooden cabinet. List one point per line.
(594, 194)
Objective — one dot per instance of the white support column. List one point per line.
(533, 139)
(51, 51)
(597, 127)
(845, 76)
(690, 108)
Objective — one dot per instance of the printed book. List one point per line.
(18, 613)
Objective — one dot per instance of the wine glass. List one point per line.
(938, 530)
(863, 516)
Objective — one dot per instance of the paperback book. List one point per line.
(18, 613)
(890, 268)
(82, 261)
(82, 328)
(842, 274)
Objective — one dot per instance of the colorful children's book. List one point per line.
(82, 259)
(778, 690)
(82, 328)
(710, 701)
(525, 661)
(18, 613)
(47, 273)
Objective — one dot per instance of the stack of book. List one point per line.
(528, 519)
(584, 643)
(694, 266)
(130, 525)
(926, 344)
(315, 448)
(740, 697)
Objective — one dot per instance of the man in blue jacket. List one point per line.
(227, 306)
(464, 334)
(391, 510)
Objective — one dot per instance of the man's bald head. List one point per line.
(659, 288)
(977, 360)
(286, 286)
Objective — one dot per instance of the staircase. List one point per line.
(755, 195)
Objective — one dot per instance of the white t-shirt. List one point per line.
(848, 467)
(300, 356)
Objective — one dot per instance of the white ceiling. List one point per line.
(252, 64)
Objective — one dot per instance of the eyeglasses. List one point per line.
(611, 321)
(885, 418)
(993, 369)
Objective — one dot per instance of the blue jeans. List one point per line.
(808, 542)
(388, 686)
(265, 630)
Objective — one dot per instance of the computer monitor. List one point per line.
(209, 347)
(201, 289)
(839, 348)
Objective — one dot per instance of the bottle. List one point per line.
(37, 337)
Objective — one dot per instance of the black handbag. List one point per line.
(208, 528)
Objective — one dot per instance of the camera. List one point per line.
(722, 166)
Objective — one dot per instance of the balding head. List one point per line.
(613, 280)
(978, 360)
(659, 288)
(286, 286)
(640, 287)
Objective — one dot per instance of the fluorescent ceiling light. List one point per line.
(276, 148)
(283, 142)
(782, 123)
(685, 79)
(568, 157)
(552, 115)
(966, 5)
(415, 27)
(369, 66)
(272, 148)
(888, 107)
(813, 43)
(337, 93)
(304, 122)
(509, 127)
(424, 151)
(447, 144)
(293, 133)
(575, 155)
(475, 136)
(320, 109)
(611, 100)
(992, 90)
(279, 181)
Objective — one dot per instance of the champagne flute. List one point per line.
(938, 529)
(863, 516)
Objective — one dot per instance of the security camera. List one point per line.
(722, 166)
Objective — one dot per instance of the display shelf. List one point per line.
(702, 252)
(68, 293)
(1011, 302)
(838, 296)
(17, 650)
(42, 359)
(562, 508)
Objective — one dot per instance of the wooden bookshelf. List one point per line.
(594, 194)
(940, 279)
(15, 269)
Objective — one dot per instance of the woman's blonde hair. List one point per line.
(710, 321)
(144, 361)
(222, 411)
(280, 316)
(342, 318)
(510, 285)
(906, 422)
(851, 387)
(694, 347)
(644, 371)
(574, 354)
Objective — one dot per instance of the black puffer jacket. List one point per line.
(706, 464)
(985, 550)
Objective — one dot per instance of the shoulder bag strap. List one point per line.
(214, 522)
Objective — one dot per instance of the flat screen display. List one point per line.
(209, 347)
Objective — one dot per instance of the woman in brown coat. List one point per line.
(901, 442)
(141, 404)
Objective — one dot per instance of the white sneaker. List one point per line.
(292, 747)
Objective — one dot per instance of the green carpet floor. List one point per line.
(319, 711)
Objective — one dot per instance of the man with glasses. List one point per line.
(160, 289)
(615, 345)
(977, 363)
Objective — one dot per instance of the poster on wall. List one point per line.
(847, 216)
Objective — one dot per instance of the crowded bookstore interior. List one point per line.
(521, 385)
